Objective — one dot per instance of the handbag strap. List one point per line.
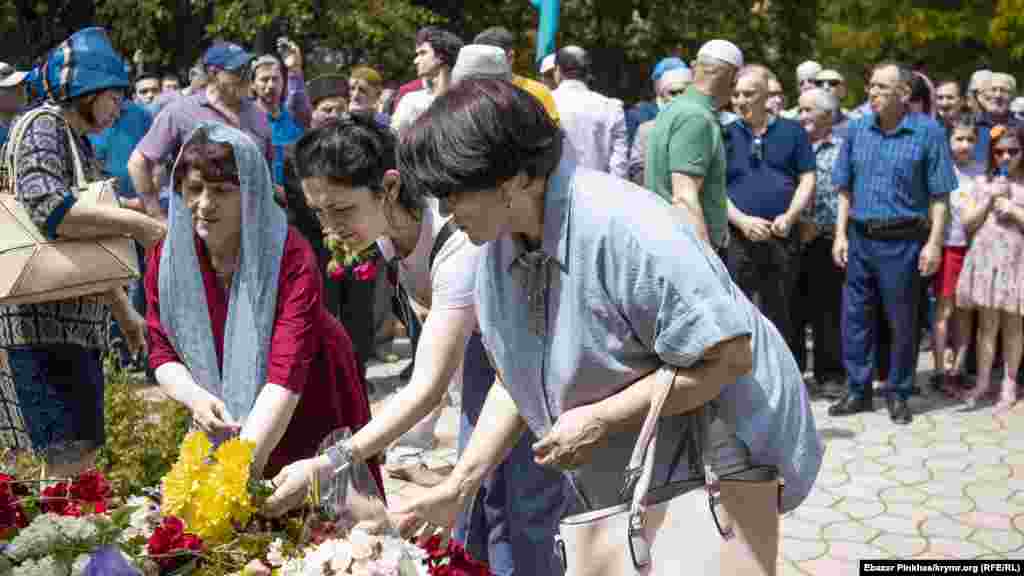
(10, 157)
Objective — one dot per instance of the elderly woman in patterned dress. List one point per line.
(55, 349)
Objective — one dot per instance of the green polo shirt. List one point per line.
(688, 139)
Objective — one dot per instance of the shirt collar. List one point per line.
(908, 123)
(743, 124)
(697, 96)
(555, 243)
(573, 85)
(827, 142)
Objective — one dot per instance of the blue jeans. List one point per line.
(881, 274)
(514, 518)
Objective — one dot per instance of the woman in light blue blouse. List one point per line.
(586, 286)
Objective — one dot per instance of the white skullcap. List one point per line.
(481, 61)
(1017, 105)
(807, 70)
(547, 64)
(979, 77)
(722, 50)
(677, 75)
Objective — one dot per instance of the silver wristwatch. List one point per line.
(340, 456)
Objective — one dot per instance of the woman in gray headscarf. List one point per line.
(237, 328)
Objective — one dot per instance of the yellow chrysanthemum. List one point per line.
(186, 476)
(211, 497)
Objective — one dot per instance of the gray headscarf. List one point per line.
(252, 303)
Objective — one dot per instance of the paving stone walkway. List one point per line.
(948, 486)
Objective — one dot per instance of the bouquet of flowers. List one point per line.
(362, 263)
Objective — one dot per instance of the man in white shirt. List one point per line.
(436, 51)
(594, 124)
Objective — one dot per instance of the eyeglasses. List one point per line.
(757, 150)
(823, 83)
(1011, 152)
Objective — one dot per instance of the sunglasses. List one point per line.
(1012, 152)
(823, 83)
(676, 92)
(757, 150)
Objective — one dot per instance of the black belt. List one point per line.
(893, 228)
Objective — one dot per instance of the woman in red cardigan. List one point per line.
(236, 325)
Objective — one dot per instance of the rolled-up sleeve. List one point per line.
(45, 173)
(161, 351)
(677, 299)
(293, 344)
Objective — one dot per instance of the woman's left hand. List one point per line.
(573, 439)
(134, 330)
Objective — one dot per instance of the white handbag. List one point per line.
(720, 525)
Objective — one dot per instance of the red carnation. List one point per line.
(365, 271)
(12, 515)
(169, 538)
(91, 488)
(57, 499)
(335, 271)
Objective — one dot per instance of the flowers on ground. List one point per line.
(170, 545)
(212, 497)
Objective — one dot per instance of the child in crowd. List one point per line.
(993, 271)
(949, 320)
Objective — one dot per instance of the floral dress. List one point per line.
(993, 272)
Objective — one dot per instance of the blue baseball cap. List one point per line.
(226, 55)
(666, 64)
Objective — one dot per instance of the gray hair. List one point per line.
(824, 100)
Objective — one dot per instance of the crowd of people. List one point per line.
(548, 250)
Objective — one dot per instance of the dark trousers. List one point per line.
(818, 302)
(884, 340)
(881, 274)
(767, 273)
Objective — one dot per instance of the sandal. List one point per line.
(972, 396)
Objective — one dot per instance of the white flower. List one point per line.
(81, 563)
(144, 520)
(275, 553)
(46, 566)
(37, 539)
(78, 530)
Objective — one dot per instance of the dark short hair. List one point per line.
(905, 74)
(478, 134)
(496, 36)
(214, 160)
(920, 91)
(573, 62)
(355, 151)
(445, 45)
(171, 76)
(950, 80)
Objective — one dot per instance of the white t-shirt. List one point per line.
(410, 107)
(451, 283)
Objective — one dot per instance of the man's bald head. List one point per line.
(757, 74)
(572, 63)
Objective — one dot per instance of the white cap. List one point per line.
(722, 50)
(829, 74)
(1017, 105)
(979, 77)
(547, 64)
(481, 61)
(807, 70)
(677, 75)
(9, 77)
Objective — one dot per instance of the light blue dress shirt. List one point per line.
(625, 287)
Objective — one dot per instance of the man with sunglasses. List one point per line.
(671, 84)
(769, 182)
(805, 74)
(226, 100)
(834, 83)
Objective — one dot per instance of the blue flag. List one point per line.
(548, 26)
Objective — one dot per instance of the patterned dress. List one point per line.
(59, 415)
(993, 272)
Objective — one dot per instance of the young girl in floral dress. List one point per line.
(993, 271)
(962, 139)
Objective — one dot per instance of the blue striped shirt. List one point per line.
(894, 174)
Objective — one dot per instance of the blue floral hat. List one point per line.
(84, 63)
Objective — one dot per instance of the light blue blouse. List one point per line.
(625, 287)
